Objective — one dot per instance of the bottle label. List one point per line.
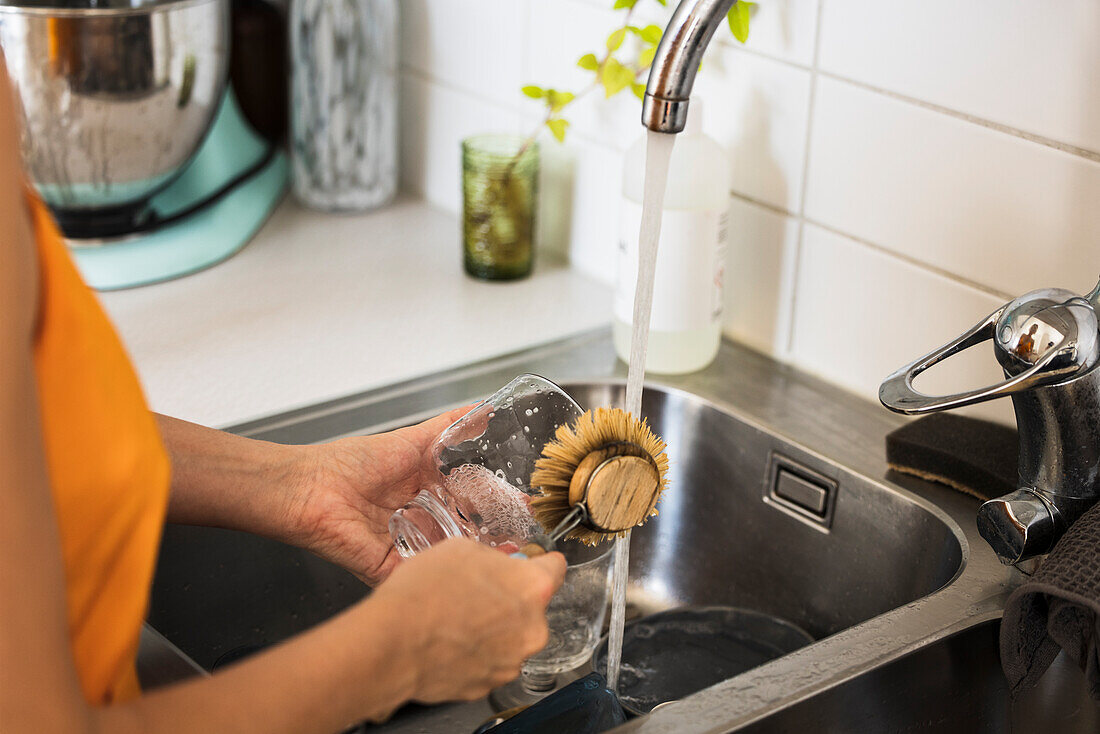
(691, 256)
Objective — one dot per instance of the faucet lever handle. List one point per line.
(1094, 297)
(898, 394)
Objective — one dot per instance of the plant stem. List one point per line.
(530, 139)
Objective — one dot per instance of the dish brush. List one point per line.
(598, 478)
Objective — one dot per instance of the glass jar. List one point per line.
(481, 470)
(343, 103)
(499, 199)
(575, 615)
(574, 618)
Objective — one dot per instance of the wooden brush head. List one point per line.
(609, 461)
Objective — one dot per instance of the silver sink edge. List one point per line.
(841, 428)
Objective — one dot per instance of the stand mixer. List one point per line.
(132, 137)
(1048, 343)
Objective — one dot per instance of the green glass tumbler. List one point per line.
(499, 199)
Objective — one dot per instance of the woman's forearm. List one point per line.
(452, 623)
(223, 480)
(359, 665)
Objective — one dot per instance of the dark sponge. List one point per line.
(973, 456)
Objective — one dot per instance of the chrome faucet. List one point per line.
(672, 73)
(1048, 343)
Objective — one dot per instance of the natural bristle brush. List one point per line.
(597, 478)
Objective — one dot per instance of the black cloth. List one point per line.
(1057, 609)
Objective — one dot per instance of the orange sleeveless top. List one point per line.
(108, 470)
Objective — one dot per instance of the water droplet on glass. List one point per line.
(527, 429)
(483, 530)
(528, 411)
(534, 410)
(493, 543)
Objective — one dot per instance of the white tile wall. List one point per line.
(859, 314)
(434, 120)
(993, 208)
(758, 109)
(472, 45)
(1028, 65)
(594, 229)
(760, 264)
(560, 32)
(783, 29)
(906, 165)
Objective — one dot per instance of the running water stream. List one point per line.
(658, 152)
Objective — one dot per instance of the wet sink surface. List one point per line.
(717, 541)
(865, 566)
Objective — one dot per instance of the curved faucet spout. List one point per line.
(679, 53)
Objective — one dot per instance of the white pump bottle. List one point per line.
(685, 327)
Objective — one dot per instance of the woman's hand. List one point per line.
(350, 489)
(333, 499)
(471, 614)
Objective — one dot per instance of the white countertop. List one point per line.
(318, 306)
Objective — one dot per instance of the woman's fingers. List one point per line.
(477, 614)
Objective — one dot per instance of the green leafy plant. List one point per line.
(612, 71)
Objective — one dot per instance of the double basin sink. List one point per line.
(780, 501)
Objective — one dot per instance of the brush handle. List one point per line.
(539, 545)
(531, 550)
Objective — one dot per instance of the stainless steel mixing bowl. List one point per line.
(117, 95)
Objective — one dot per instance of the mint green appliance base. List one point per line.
(211, 234)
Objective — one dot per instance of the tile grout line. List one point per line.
(525, 63)
(763, 55)
(796, 268)
(413, 73)
(424, 76)
(1031, 137)
(1067, 148)
(764, 205)
(907, 259)
(912, 261)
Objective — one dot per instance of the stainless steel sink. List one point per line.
(718, 540)
(780, 501)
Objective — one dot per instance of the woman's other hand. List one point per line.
(471, 615)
